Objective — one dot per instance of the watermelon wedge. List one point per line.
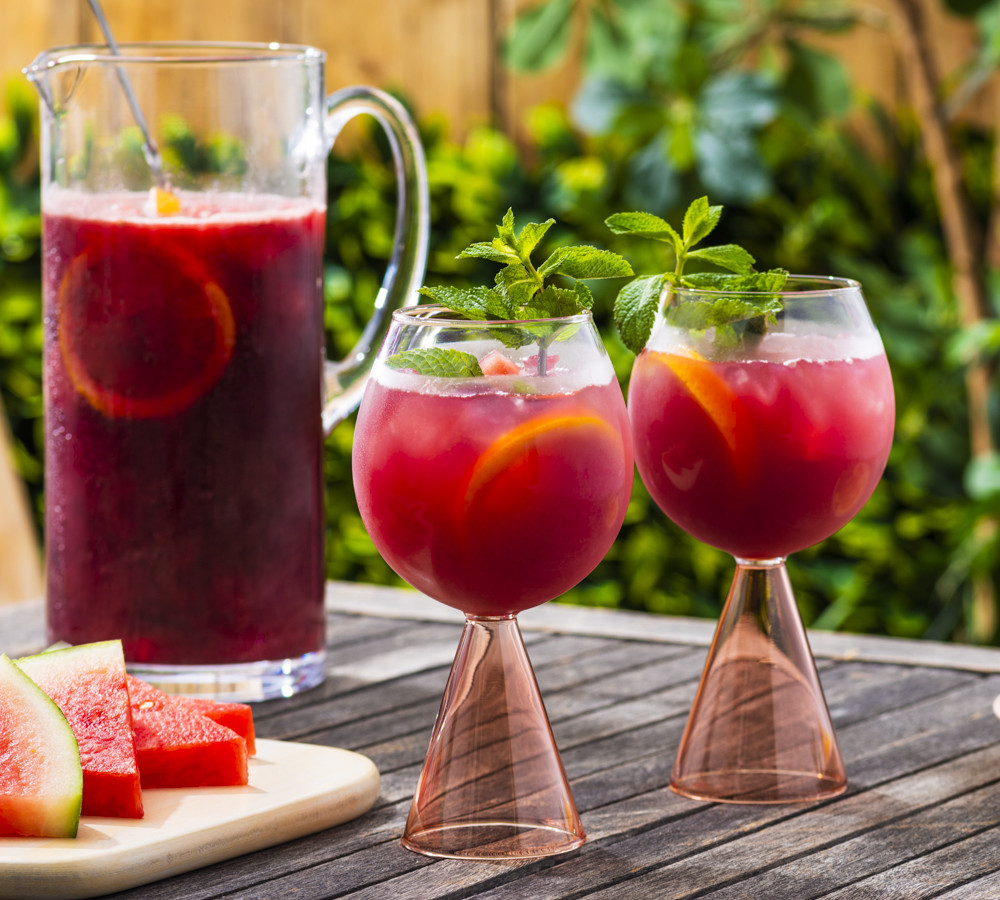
(237, 716)
(177, 746)
(41, 782)
(87, 683)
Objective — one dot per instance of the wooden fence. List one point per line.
(442, 53)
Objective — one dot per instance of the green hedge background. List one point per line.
(671, 107)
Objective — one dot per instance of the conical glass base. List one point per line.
(759, 730)
(493, 785)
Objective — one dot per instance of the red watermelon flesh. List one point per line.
(237, 716)
(87, 683)
(177, 746)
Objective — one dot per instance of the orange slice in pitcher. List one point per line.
(144, 335)
(718, 402)
(166, 202)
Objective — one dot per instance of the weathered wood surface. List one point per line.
(922, 747)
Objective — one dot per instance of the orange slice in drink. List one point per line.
(852, 489)
(718, 402)
(166, 202)
(143, 336)
(514, 462)
(541, 505)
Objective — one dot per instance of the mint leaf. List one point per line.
(521, 291)
(770, 281)
(729, 256)
(643, 224)
(473, 303)
(496, 251)
(732, 317)
(553, 303)
(506, 229)
(589, 262)
(517, 286)
(700, 315)
(700, 220)
(553, 263)
(584, 297)
(635, 310)
(531, 234)
(441, 362)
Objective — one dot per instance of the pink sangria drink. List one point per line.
(183, 451)
(496, 493)
(765, 452)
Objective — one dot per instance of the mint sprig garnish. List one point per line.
(445, 362)
(638, 301)
(522, 290)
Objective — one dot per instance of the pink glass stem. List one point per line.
(493, 785)
(759, 730)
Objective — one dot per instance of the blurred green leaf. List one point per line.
(539, 36)
(737, 101)
(817, 81)
(982, 477)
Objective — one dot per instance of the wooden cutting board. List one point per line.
(294, 790)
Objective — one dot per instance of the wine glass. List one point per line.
(492, 493)
(762, 438)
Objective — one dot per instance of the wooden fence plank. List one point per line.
(520, 93)
(436, 53)
(170, 20)
(27, 27)
(442, 53)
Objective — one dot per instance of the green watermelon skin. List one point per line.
(41, 781)
(87, 683)
(178, 747)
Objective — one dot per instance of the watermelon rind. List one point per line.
(41, 780)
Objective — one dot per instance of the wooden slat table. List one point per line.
(921, 818)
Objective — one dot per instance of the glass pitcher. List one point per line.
(186, 388)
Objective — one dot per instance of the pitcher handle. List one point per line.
(345, 380)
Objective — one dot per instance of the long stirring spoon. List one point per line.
(150, 150)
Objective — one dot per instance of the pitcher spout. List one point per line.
(38, 72)
(56, 73)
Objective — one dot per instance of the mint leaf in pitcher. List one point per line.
(638, 301)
